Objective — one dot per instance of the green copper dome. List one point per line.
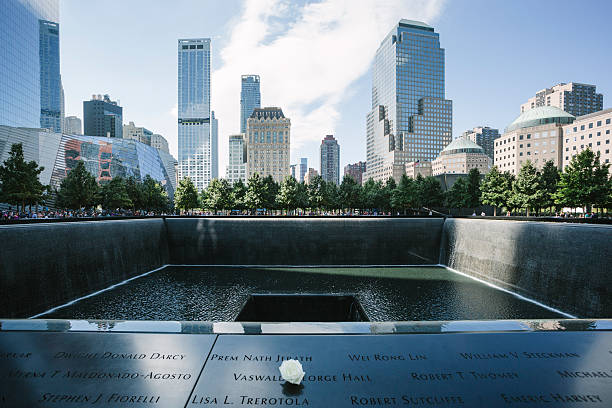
(461, 145)
(540, 116)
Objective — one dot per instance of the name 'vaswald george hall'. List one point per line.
(378, 311)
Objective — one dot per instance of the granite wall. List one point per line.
(46, 265)
(567, 266)
(304, 241)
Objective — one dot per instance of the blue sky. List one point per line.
(314, 58)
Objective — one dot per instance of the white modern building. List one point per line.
(236, 165)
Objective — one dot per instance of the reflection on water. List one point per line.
(386, 294)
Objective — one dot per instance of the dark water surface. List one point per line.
(386, 294)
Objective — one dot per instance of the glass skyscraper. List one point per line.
(194, 132)
(250, 98)
(102, 117)
(214, 146)
(21, 58)
(50, 81)
(410, 119)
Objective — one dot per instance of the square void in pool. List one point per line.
(301, 308)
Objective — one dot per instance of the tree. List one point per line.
(154, 196)
(584, 182)
(238, 195)
(78, 189)
(527, 190)
(270, 190)
(372, 193)
(496, 189)
(429, 192)
(350, 193)
(404, 195)
(135, 191)
(473, 188)
(549, 177)
(19, 183)
(288, 194)
(218, 195)
(316, 192)
(186, 196)
(387, 194)
(332, 197)
(458, 196)
(114, 194)
(255, 195)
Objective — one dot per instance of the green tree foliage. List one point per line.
(78, 189)
(332, 197)
(458, 196)
(496, 189)
(550, 180)
(288, 194)
(218, 195)
(429, 192)
(19, 183)
(350, 193)
(316, 192)
(154, 196)
(387, 194)
(255, 197)
(473, 188)
(186, 196)
(373, 195)
(270, 190)
(114, 194)
(404, 195)
(135, 191)
(238, 195)
(527, 191)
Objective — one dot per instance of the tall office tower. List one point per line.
(250, 98)
(50, 82)
(303, 168)
(21, 57)
(330, 159)
(214, 146)
(292, 170)
(267, 143)
(355, 171)
(194, 133)
(236, 166)
(484, 137)
(62, 106)
(102, 117)
(410, 119)
(574, 98)
(140, 134)
(159, 142)
(72, 126)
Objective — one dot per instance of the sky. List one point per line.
(314, 59)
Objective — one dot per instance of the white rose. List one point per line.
(291, 371)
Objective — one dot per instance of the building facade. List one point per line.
(536, 135)
(102, 117)
(310, 175)
(461, 156)
(214, 146)
(250, 98)
(589, 132)
(194, 118)
(72, 126)
(303, 168)
(484, 137)
(292, 168)
(159, 142)
(413, 169)
(104, 158)
(20, 60)
(267, 143)
(574, 98)
(140, 134)
(236, 165)
(330, 159)
(355, 171)
(410, 118)
(50, 80)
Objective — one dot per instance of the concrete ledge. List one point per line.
(304, 241)
(45, 265)
(566, 266)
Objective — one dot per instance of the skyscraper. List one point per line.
(20, 59)
(102, 117)
(484, 137)
(574, 98)
(236, 165)
(410, 119)
(50, 81)
(194, 124)
(303, 168)
(267, 143)
(355, 171)
(330, 159)
(72, 126)
(250, 98)
(214, 146)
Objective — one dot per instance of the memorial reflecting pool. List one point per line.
(386, 294)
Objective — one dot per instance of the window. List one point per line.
(528, 136)
(581, 127)
(528, 144)
(582, 137)
(521, 153)
(591, 125)
(599, 123)
(521, 146)
(521, 137)
(607, 121)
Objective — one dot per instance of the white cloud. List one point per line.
(307, 57)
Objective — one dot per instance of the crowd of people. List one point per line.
(46, 213)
